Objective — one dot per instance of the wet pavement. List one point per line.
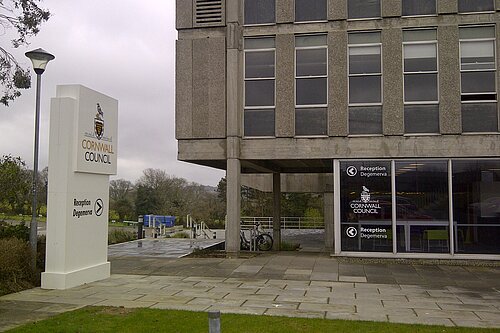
(160, 248)
(297, 284)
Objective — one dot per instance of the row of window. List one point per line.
(264, 11)
(420, 77)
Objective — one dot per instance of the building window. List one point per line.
(311, 86)
(365, 83)
(363, 9)
(310, 10)
(472, 6)
(420, 68)
(478, 79)
(419, 7)
(476, 206)
(422, 206)
(260, 12)
(259, 86)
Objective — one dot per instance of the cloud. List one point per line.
(124, 49)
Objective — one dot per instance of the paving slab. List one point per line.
(287, 284)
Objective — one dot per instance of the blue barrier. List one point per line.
(157, 220)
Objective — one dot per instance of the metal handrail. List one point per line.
(287, 222)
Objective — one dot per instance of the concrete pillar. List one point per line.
(450, 114)
(392, 53)
(328, 218)
(276, 211)
(233, 200)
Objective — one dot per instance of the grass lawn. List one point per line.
(107, 319)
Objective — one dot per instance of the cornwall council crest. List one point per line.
(99, 123)
(365, 195)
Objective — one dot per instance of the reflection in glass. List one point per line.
(476, 206)
(422, 206)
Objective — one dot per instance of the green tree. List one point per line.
(14, 183)
(121, 198)
(25, 17)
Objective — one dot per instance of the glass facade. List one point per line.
(366, 206)
(476, 206)
(435, 206)
(422, 206)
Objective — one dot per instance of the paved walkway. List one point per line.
(288, 284)
(160, 248)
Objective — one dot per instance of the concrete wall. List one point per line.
(209, 92)
(290, 182)
(201, 88)
(446, 146)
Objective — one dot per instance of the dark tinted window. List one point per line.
(310, 121)
(310, 10)
(419, 7)
(470, 6)
(260, 11)
(259, 122)
(480, 117)
(363, 9)
(422, 118)
(365, 120)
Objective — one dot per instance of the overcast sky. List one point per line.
(124, 49)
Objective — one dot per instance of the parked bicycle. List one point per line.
(259, 239)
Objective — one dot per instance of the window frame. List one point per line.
(245, 80)
(494, 70)
(298, 77)
(495, 92)
(380, 74)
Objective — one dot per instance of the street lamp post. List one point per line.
(40, 58)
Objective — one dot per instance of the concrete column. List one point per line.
(276, 211)
(391, 8)
(285, 11)
(233, 200)
(285, 85)
(328, 217)
(337, 82)
(337, 10)
(450, 114)
(393, 116)
(447, 6)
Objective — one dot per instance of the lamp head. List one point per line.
(40, 58)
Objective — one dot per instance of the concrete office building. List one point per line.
(389, 108)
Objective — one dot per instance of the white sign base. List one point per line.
(78, 202)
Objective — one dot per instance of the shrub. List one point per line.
(19, 231)
(180, 235)
(116, 236)
(286, 246)
(15, 269)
